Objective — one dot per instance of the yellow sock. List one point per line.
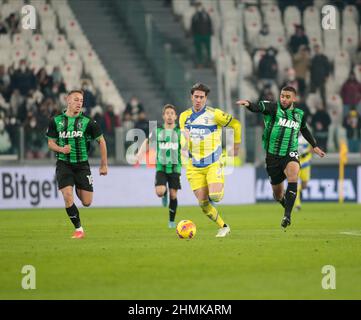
(217, 196)
(211, 212)
(298, 198)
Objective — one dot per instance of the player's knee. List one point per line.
(86, 203)
(278, 196)
(68, 196)
(216, 196)
(160, 194)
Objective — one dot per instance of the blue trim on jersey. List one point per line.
(195, 115)
(205, 162)
(305, 165)
(211, 128)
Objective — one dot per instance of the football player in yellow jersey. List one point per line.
(304, 151)
(201, 128)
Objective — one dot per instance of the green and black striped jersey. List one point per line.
(282, 127)
(168, 149)
(77, 132)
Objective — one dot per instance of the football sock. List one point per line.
(173, 203)
(73, 214)
(211, 212)
(216, 196)
(291, 194)
(299, 194)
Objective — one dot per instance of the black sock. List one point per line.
(291, 194)
(73, 214)
(173, 203)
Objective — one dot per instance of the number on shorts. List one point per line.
(90, 178)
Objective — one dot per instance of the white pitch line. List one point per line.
(352, 233)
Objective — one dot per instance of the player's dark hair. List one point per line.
(169, 106)
(76, 91)
(200, 87)
(289, 88)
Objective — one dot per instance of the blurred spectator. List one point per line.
(268, 67)
(4, 106)
(5, 142)
(267, 93)
(56, 75)
(111, 121)
(352, 124)
(35, 147)
(298, 39)
(350, 93)
(23, 79)
(89, 101)
(17, 105)
(302, 63)
(12, 127)
(357, 56)
(262, 40)
(3, 28)
(12, 22)
(142, 123)
(320, 70)
(202, 31)
(134, 107)
(4, 82)
(320, 124)
(294, 82)
(127, 122)
(45, 82)
(301, 104)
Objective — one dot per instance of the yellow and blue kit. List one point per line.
(204, 137)
(304, 151)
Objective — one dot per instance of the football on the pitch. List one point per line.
(186, 229)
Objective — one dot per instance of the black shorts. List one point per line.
(70, 174)
(276, 166)
(173, 179)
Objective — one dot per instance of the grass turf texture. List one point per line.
(131, 254)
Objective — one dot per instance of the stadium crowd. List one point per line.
(28, 98)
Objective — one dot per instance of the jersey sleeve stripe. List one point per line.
(229, 121)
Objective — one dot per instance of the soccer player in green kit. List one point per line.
(69, 135)
(168, 160)
(283, 122)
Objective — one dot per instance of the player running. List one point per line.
(202, 129)
(283, 122)
(69, 135)
(168, 160)
(304, 150)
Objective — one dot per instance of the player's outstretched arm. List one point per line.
(263, 106)
(54, 147)
(319, 152)
(236, 125)
(311, 140)
(103, 170)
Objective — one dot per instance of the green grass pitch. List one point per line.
(131, 254)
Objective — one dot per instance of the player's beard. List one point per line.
(288, 106)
